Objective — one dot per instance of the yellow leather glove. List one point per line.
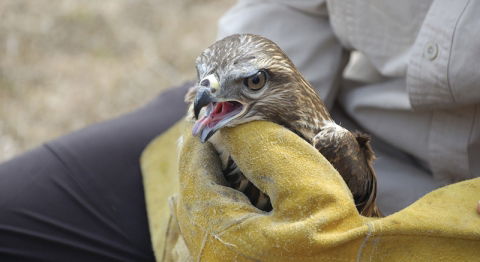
(313, 217)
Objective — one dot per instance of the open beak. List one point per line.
(218, 114)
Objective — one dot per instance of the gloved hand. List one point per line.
(307, 195)
(313, 217)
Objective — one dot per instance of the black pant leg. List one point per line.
(80, 197)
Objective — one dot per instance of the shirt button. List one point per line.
(431, 50)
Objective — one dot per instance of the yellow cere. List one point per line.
(213, 81)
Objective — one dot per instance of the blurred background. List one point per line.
(66, 64)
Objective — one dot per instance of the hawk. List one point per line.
(246, 77)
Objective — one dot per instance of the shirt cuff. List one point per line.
(427, 74)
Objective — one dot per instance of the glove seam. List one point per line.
(202, 247)
(234, 224)
(251, 247)
(371, 230)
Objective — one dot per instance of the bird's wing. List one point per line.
(352, 156)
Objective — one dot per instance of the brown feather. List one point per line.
(289, 100)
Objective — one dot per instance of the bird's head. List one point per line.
(247, 77)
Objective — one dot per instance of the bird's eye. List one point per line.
(257, 81)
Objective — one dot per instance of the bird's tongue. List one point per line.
(216, 112)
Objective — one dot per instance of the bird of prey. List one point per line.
(246, 77)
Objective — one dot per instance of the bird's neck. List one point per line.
(313, 115)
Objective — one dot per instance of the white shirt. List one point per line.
(413, 79)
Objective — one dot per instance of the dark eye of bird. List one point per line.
(257, 81)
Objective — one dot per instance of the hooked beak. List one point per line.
(218, 114)
(202, 99)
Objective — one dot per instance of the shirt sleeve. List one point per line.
(444, 65)
(301, 29)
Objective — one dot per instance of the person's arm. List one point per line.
(443, 69)
(301, 29)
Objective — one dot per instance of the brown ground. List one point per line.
(65, 64)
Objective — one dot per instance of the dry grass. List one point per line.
(65, 64)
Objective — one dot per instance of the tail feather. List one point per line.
(369, 206)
